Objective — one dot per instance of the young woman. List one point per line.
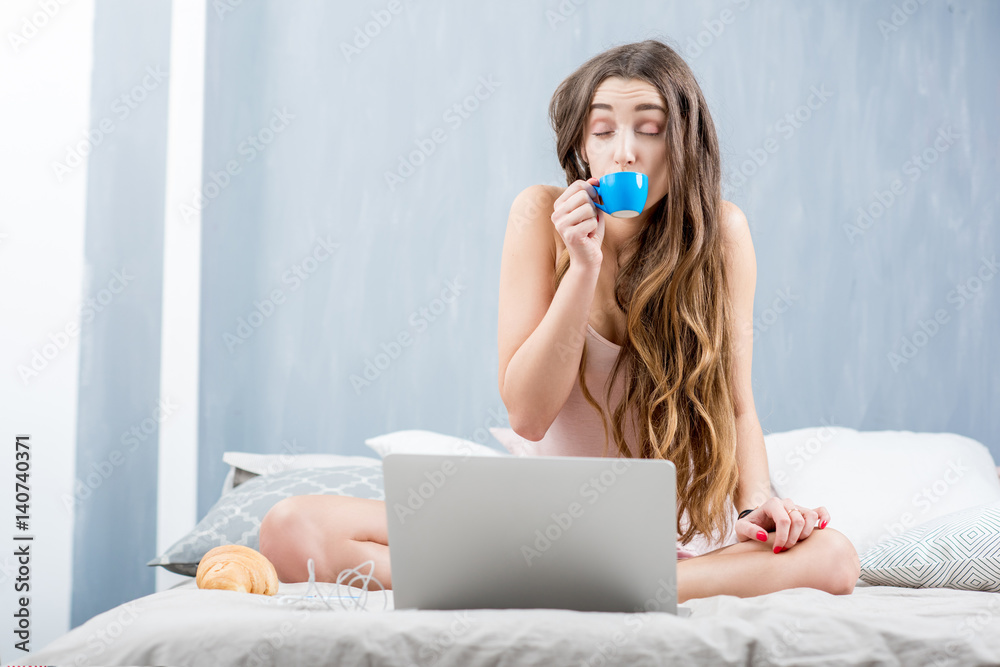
(655, 312)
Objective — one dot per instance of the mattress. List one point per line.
(874, 625)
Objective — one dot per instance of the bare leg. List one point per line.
(826, 560)
(341, 532)
(337, 532)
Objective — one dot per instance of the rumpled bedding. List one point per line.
(873, 625)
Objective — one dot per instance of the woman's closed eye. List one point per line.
(648, 134)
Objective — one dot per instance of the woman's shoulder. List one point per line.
(553, 190)
(540, 193)
(535, 203)
(733, 219)
(532, 210)
(735, 228)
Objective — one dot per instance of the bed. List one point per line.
(923, 512)
(874, 625)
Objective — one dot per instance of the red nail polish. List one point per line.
(762, 536)
(823, 525)
(777, 550)
(784, 548)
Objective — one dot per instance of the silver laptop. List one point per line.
(558, 532)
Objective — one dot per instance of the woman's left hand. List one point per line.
(790, 523)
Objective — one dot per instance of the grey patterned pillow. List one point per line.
(235, 518)
(959, 550)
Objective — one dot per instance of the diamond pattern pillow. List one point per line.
(235, 517)
(959, 550)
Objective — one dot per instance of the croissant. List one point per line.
(233, 567)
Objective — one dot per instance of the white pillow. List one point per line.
(958, 550)
(427, 442)
(244, 465)
(878, 484)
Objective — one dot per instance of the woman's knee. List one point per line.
(289, 534)
(841, 563)
(277, 535)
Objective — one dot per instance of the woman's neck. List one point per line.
(619, 231)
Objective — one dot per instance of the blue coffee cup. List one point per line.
(623, 193)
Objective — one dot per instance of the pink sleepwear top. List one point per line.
(577, 430)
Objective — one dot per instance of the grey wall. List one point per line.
(886, 322)
(831, 306)
(116, 457)
(908, 136)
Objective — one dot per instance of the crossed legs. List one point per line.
(826, 560)
(337, 532)
(341, 532)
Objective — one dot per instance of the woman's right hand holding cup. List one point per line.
(580, 223)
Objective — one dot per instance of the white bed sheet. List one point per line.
(873, 625)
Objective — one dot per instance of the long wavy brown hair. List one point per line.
(677, 354)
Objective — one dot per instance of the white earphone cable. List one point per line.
(346, 577)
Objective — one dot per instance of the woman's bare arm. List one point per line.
(540, 330)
